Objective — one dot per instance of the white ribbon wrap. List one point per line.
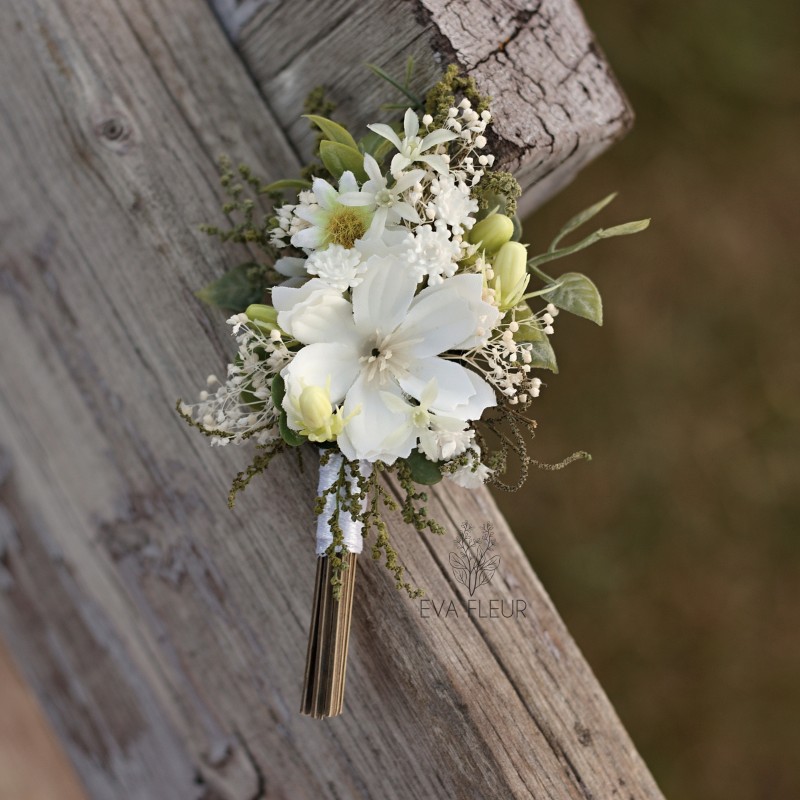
(328, 475)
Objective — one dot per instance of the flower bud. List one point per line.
(492, 232)
(510, 267)
(265, 316)
(315, 407)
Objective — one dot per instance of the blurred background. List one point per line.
(674, 556)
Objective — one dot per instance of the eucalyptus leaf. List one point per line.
(580, 219)
(339, 158)
(235, 290)
(333, 130)
(626, 229)
(578, 295)
(422, 470)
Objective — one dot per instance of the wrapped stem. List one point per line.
(332, 611)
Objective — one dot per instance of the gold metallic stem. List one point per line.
(328, 641)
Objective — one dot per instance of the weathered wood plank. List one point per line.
(164, 634)
(556, 102)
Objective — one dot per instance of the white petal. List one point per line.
(316, 363)
(406, 211)
(309, 238)
(372, 169)
(399, 163)
(454, 385)
(381, 300)
(348, 182)
(325, 193)
(291, 267)
(367, 432)
(313, 214)
(410, 123)
(378, 222)
(435, 162)
(485, 316)
(330, 319)
(315, 312)
(388, 133)
(284, 299)
(357, 199)
(438, 137)
(406, 181)
(484, 397)
(436, 322)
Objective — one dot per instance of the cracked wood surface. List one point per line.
(556, 103)
(164, 635)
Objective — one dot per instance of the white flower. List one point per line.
(412, 148)
(387, 340)
(241, 408)
(432, 254)
(440, 437)
(329, 220)
(336, 266)
(288, 225)
(452, 204)
(388, 204)
(473, 475)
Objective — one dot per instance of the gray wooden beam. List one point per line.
(165, 635)
(557, 104)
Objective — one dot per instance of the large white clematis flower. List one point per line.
(412, 148)
(388, 341)
(387, 202)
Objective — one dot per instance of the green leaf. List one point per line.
(381, 73)
(339, 158)
(235, 290)
(278, 390)
(626, 229)
(580, 219)
(578, 295)
(422, 470)
(295, 184)
(528, 331)
(333, 130)
(542, 354)
(292, 438)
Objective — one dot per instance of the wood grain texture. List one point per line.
(557, 105)
(164, 635)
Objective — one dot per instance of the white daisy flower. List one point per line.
(387, 203)
(329, 220)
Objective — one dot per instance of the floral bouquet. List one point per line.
(388, 324)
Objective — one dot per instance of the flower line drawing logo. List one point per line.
(472, 564)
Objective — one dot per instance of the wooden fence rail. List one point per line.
(165, 635)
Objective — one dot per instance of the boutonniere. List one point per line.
(397, 323)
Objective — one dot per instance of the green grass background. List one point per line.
(674, 556)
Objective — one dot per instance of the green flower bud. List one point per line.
(510, 267)
(492, 232)
(266, 316)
